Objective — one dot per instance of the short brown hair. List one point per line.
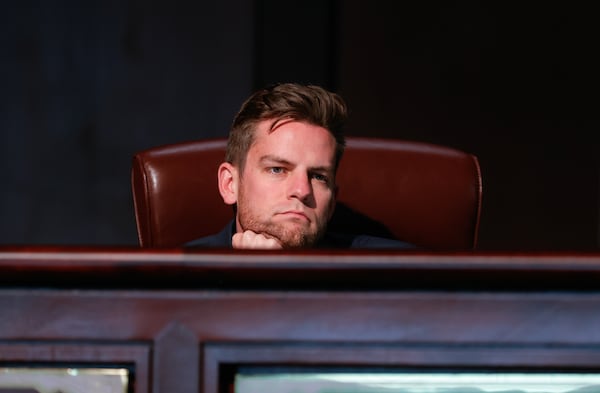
(308, 103)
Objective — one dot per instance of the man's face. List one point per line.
(287, 187)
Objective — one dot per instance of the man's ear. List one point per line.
(228, 177)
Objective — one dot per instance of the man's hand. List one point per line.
(249, 239)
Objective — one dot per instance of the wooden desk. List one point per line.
(184, 321)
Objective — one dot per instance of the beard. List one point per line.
(289, 234)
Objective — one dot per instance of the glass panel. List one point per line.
(64, 380)
(417, 383)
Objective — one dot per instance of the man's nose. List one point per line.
(300, 186)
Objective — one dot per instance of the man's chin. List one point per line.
(291, 233)
(294, 236)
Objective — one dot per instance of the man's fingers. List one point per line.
(253, 240)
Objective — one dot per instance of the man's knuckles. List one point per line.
(250, 239)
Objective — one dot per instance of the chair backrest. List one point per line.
(425, 194)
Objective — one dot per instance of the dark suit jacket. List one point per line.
(330, 240)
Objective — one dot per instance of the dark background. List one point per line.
(87, 84)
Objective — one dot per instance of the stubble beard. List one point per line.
(290, 236)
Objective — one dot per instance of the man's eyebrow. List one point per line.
(274, 159)
(279, 160)
(326, 169)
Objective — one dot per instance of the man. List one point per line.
(279, 172)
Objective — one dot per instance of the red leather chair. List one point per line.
(421, 193)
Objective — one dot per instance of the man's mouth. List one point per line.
(295, 214)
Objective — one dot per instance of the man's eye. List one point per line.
(320, 177)
(276, 170)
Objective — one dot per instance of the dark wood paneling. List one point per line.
(296, 309)
(296, 42)
(507, 83)
(85, 86)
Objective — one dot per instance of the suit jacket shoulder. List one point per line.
(339, 240)
(330, 240)
(218, 240)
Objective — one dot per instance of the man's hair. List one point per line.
(306, 103)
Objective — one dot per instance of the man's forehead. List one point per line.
(272, 141)
(275, 124)
(269, 126)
